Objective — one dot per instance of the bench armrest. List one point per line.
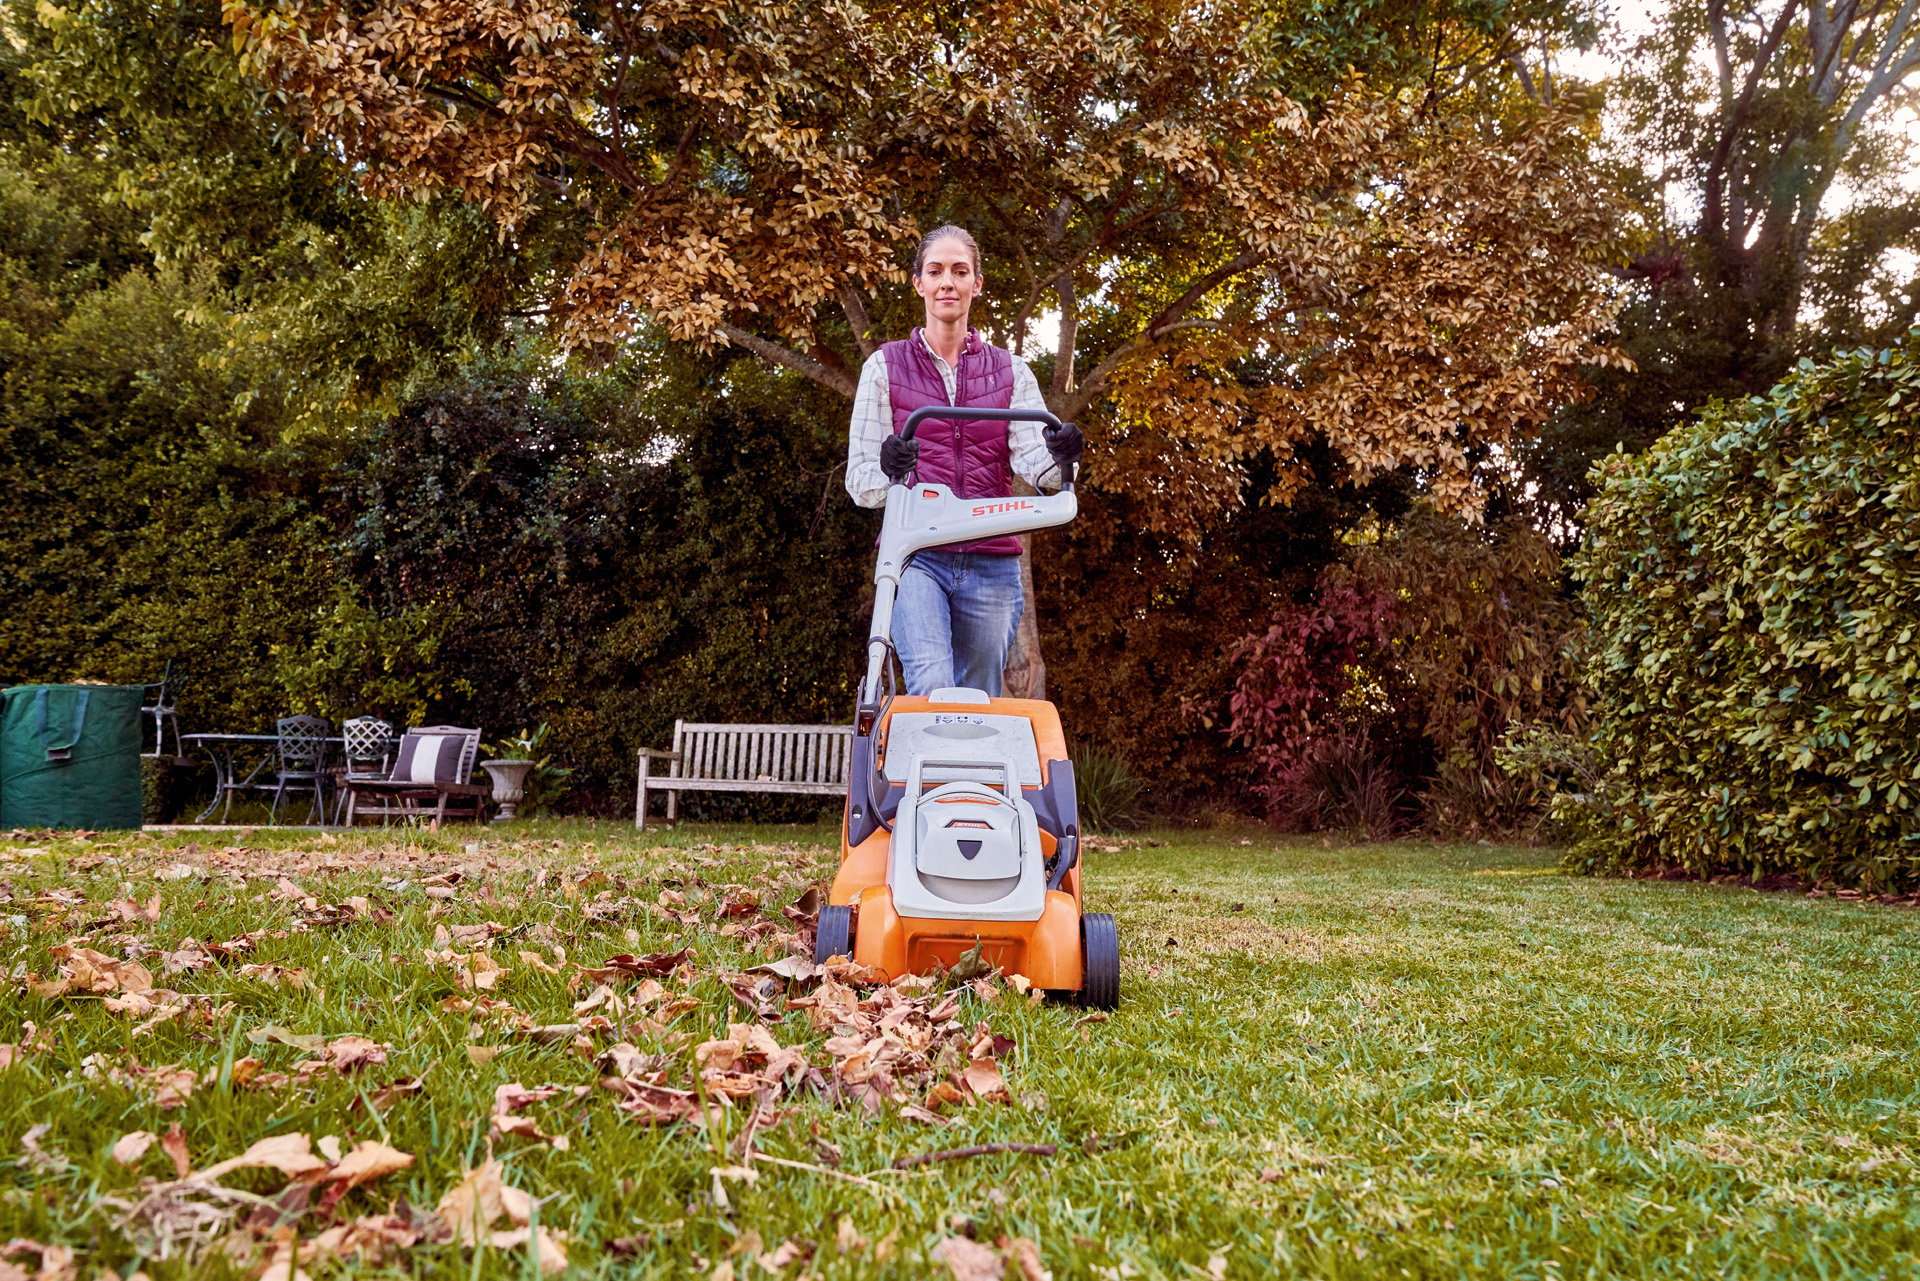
(654, 753)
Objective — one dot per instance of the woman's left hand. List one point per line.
(1065, 443)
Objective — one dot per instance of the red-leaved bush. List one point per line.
(1305, 703)
(1385, 699)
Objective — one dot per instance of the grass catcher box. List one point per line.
(70, 756)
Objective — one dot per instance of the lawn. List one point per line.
(1386, 1060)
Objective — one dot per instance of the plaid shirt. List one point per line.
(873, 423)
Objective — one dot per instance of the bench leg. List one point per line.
(673, 807)
(640, 801)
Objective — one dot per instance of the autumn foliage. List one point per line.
(1413, 291)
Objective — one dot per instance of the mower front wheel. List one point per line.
(834, 934)
(1099, 962)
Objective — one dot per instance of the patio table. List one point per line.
(224, 750)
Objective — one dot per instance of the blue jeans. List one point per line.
(954, 619)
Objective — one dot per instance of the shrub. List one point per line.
(1481, 640)
(1754, 588)
(1108, 790)
(1380, 704)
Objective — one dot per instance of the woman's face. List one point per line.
(947, 281)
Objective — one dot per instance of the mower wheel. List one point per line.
(1099, 962)
(834, 936)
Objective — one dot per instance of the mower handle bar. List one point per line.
(1040, 416)
(920, 415)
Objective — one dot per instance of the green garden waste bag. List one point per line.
(70, 756)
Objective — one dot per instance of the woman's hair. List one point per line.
(945, 233)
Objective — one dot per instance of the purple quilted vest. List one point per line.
(972, 456)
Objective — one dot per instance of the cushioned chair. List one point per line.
(431, 774)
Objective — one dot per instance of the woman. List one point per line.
(958, 606)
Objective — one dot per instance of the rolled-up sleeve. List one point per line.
(1031, 461)
(872, 423)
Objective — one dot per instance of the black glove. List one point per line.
(1066, 444)
(897, 458)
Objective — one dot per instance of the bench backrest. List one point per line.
(777, 753)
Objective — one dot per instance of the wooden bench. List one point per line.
(804, 760)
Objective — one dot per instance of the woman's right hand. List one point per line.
(898, 458)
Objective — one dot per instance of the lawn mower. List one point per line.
(962, 831)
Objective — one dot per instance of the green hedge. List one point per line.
(1754, 588)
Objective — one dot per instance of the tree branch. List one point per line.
(1170, 318)
(832, 379)
(855, 306)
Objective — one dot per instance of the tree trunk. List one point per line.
(1026, 674)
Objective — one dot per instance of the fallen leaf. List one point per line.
(983, 1080)
(174, 1144)
(173, 1087)
(785, 1255)
(291, 1154)
(472, 1206)
(276, 975)
(656, 964)
(1025, 1255)
(368, 1160)
(129, 1148)
(351, 1053)
(387, 1095)
(285, 1036)
(796, 968)
(551, 1252)
(969, 1260)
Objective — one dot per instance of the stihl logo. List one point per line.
(995, 509)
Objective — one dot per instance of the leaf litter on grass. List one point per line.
(902, 1049)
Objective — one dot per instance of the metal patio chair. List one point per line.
(303, 762)
(366, 756)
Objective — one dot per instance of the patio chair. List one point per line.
(367, 755)
(434, 763)
(303, 762)
(164, 710)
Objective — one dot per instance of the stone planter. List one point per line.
(509, 784)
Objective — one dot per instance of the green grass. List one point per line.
(1377, 1061)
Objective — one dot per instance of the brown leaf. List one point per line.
(513, 1096)
(552, 1252)
(282, 1036)
(172, 1087)
(657, 964)
(474, 1204)
(367, 1161)
(291, 1154)
(1025, 1255)
(387, 1095)
(174, 1144)
(969, 1260)
(276, 975)
(351, 1053)
(983, 1080)
(129, 1148)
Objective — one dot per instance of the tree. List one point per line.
(1761, 145)
(753, 175)
(1791, 98)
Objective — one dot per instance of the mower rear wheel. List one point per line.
(834, 935)
(1099, 962)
